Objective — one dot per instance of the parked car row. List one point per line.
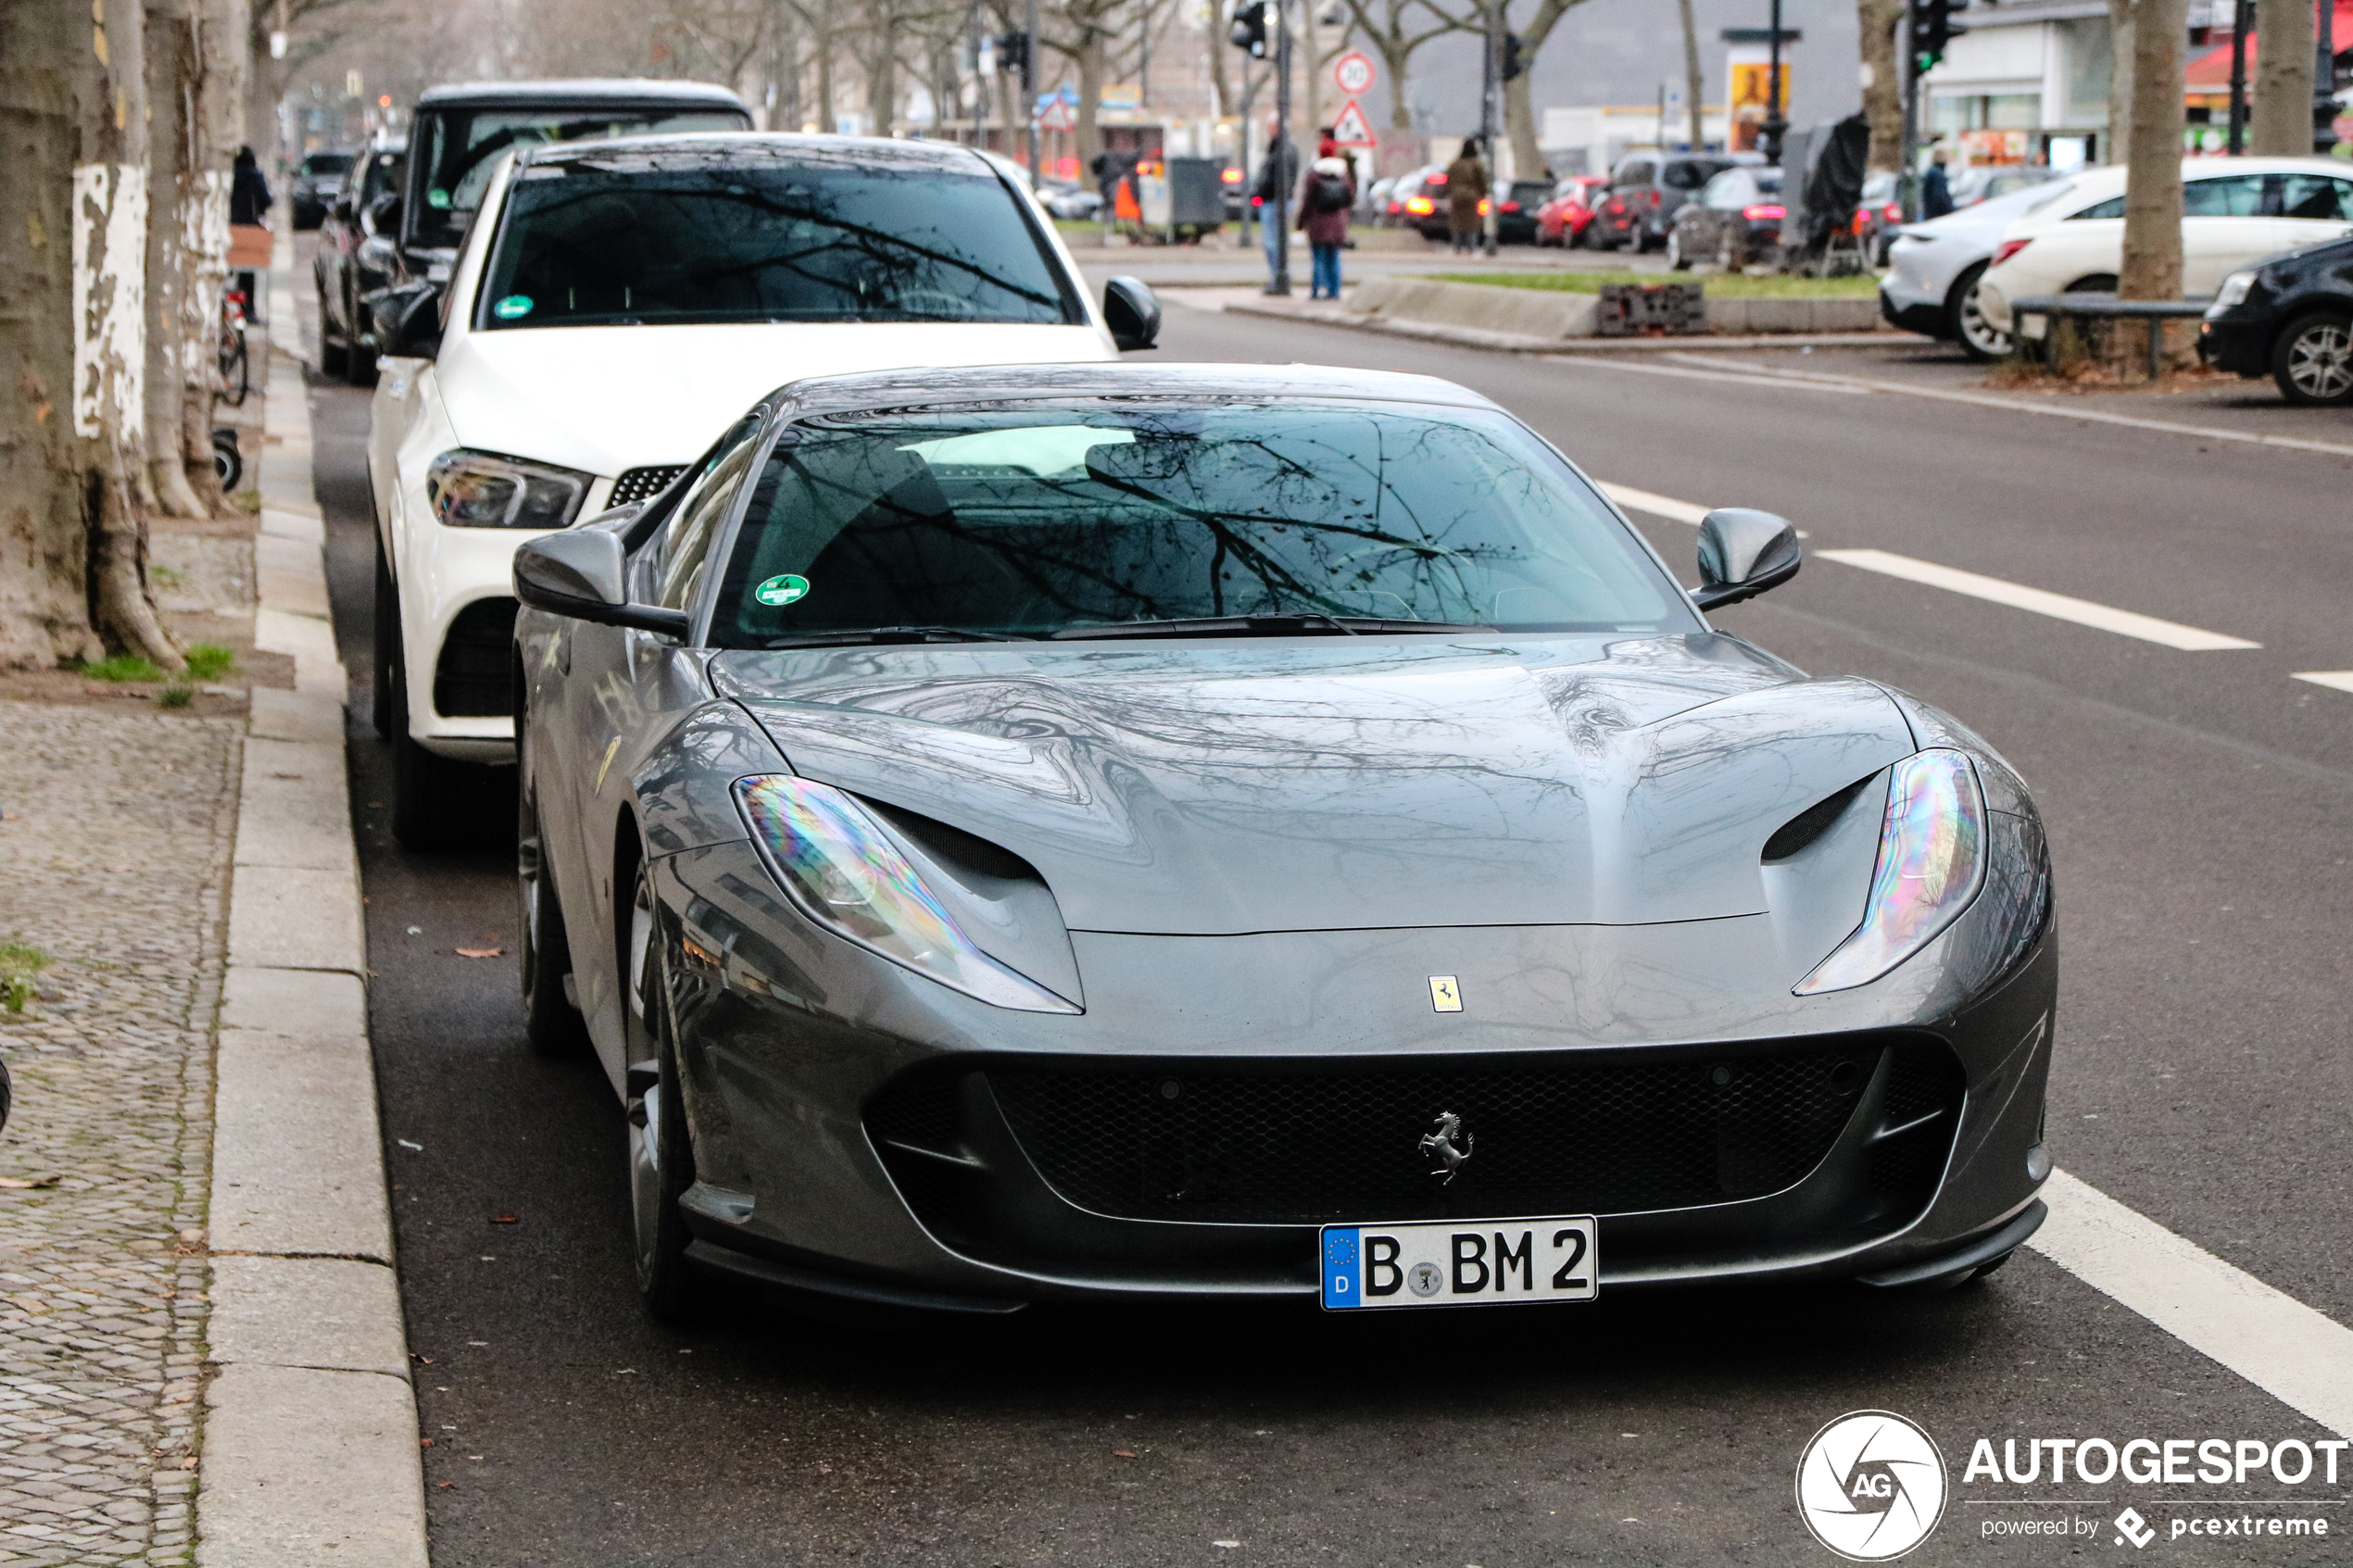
(922, 725)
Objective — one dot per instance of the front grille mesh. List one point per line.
(473, 678)
(1271, 1146)
(638, 484)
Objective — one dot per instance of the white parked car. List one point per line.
(616, 305)
(1930, 287)
(2234, 212)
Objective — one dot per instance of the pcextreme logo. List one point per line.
(1871, 1486)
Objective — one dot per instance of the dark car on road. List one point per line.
(1515, 214)
(1736, 219)
(354, 256)
(1645, 192)
(318, 180)
(1418, 201)
(2290, 318)
(1104, 831)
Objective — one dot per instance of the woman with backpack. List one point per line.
(1326, 197)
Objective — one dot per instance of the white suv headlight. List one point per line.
(484, 490)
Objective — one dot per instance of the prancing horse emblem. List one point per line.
(1441, 1144)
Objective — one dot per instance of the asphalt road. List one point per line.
(2198, 804)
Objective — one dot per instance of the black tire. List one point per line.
(359, 359)
(425, 788)
(2313, 360)
(551, 1024)
(1978, 338)
(334, 356)
(2096, 282)
(662, 1161)
(387, 630)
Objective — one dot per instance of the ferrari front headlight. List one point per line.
(484, 490)
(1931, 861)
(843, 871)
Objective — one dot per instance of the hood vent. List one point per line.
(1793, 835)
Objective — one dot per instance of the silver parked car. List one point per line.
(1930, 287)
(1105, 831)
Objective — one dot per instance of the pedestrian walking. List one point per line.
(1465, 188)
(1936, 190)
(1278, 174)
(249, 201)
(1325, 198)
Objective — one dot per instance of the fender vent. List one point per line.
(1812, 822)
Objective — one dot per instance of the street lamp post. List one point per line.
(2238, 76)
(1490, 80)
(1775, 123)
(1279, 207)
(1029, 91)
(2324, 81)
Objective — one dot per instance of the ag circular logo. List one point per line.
(1871, 1486)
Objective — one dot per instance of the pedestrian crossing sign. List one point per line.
(1350, 129)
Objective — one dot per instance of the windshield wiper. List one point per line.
(1257, 626)
(872, 635)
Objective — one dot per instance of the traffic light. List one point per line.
(1250, 28)
(1012, 52)
(1934, 30)
(1513, 63)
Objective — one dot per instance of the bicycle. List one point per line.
(235, 367)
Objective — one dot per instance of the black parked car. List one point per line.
(2290, 318)
(318, 181)
(1736, 219)
(1515, 214)
(1645, 192)
(355, 256)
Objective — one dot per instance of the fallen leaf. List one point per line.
(482, 952)
(505, 1219)
(188, 1463)
(446, 1485)
(424, 1442)
(1123, 1453)
(32, 1183)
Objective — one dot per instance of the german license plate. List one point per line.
(1462, 1263)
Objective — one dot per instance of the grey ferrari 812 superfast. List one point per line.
(1111, 831)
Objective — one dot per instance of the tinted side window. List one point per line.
(2230, 196)
(697, 525)
(1634, 174)
(2112, 207)
(1684, 176)
(2310, 195)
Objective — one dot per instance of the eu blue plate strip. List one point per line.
(1342, 1288)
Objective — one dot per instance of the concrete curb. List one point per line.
(1525, 343)
(310, 1450)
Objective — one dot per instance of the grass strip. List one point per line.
(1718, 285)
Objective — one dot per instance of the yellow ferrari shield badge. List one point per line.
(1444, 995)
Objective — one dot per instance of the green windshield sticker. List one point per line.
(436, 198)
(781, 590)
(514, 304)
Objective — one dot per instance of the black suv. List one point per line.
(2290, 318)
(1645, 192)
(355, 256)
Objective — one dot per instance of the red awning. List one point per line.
(2210, 72)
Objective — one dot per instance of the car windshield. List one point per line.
(1100, 520)
(457, 148)
(327, 163)
(799, 233)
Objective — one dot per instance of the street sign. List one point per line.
(1350, 129)
(1058, 115)
(1353, 72)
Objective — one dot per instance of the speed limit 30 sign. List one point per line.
(1352, 72)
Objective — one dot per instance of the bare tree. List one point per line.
(1694, 84)
(1520, 108)
(1882, 80)
(2152, 266)
(73, 104)
(1395, 29)
(2280, 123)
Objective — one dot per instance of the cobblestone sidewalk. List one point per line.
(114, 860)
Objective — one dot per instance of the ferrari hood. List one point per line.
(1214, 789)
(604, 399)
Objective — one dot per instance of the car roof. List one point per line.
(992, 383)
(679, 149)
(585, 92)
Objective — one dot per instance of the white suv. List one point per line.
(615, 306)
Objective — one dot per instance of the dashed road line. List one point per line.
(2059, 607)
(1736, 374)
(2339, 680)
(2299, 1357)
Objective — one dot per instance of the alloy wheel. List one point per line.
(2319, 362)
(1979, 336)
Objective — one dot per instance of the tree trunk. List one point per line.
(1882, 80)
(1088, 57)
(2152, 267)
(223, 30)
(171, 79)
(2121, 15)
(1519, 118)
(2280, 119)
(72, 339)
(1694, 84)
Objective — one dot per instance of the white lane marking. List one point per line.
(2342, 679)
(2293, 1353)
(1819, 380)
(1635, 500)
(1740, 377)
(2059, 607)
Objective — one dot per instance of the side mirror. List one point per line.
(583, 573)
(385, 212)
(1132, 311)
(1742, 553)
(405, 320)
